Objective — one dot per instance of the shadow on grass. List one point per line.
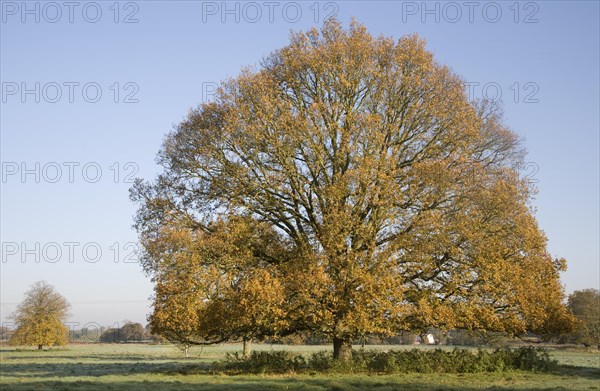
(146, 365)
(101, 356)
(259, 384)
(577, 371)
(35, 370)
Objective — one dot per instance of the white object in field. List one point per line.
(429, 340)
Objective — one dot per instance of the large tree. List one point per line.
(40, 317)
(397, 204)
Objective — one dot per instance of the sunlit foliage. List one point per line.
(40, 317)
(347, 187)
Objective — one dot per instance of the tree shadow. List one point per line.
(578, 371)
(32, 370)
(128, 365)
(258, 384)
(107, 357)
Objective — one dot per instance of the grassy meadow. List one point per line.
(162, 367)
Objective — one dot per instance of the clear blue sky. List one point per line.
(542, 56)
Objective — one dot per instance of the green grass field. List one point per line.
(162, 367)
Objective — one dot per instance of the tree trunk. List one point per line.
(247, 347)
(39, 347)
(441, 338)
(342, 349)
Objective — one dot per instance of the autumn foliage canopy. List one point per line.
(40, 317)
(347, 186)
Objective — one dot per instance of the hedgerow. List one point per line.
(394, 361)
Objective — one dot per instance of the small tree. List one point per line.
(40, 317)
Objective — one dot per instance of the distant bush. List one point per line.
(130, 332)
(111, 336)
(395, 361)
